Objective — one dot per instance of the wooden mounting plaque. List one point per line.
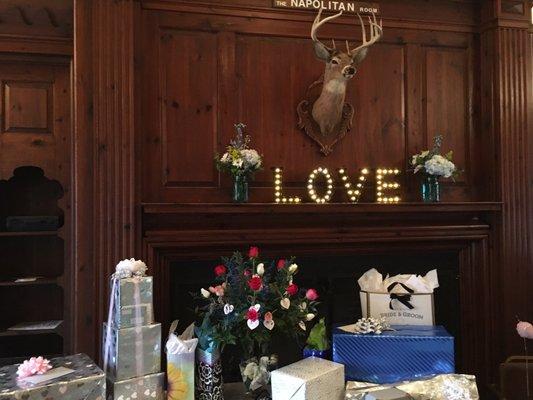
(353, 7)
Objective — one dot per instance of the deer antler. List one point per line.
(318, 23)
(376, 32)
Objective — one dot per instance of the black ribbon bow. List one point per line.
(403, 298)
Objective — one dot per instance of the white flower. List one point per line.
(128, 268)
(439, 166)
(237, 163)
(228, 309)
(424, 153)
(285, 303)
(260, 269)
(205, 293)
(226, 158)
(310, 317)
(413, 159)
(250, 370)
(301, 324)
(293, 268)
(303, 306)
(252, 159)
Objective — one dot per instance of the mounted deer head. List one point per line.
(341, 66)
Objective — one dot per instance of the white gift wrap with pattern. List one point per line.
(133, 352)
(148, 387)
(87, 382)
(309, 379)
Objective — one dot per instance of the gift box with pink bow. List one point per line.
(66, 378)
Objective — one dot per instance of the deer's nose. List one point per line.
(349, 71)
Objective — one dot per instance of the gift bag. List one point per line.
(402, 299)
(180, 363)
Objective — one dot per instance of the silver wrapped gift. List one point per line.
(86, 381)
(148, 387)
(132, 305)
(438, 387)
(133, 352)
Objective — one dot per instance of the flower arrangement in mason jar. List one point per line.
(241, 162)
(433, 166)
(251, 301)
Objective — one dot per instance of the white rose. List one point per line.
(260, 269)
(293, 268)
(205, 293)
(310, 316)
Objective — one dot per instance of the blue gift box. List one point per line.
(406, 353)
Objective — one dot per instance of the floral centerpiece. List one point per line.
(433, 166)
(241, 162)
(252, 300)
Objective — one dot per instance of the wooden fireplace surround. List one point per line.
(205, 231)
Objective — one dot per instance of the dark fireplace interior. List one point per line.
(335, 277)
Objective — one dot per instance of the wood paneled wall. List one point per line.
(450, 67)
(202, 72)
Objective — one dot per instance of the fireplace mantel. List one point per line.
(201, 224)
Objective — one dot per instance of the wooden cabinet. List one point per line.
(35, 203)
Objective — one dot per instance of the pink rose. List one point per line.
(253, 252)
(525, 330)
(311, 294)
(218, 290)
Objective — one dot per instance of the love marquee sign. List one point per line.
(387, 188)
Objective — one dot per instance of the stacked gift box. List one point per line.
(132, 341)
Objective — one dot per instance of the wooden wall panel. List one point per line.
(379, 104)
(447, 114)
(257, 71)
(188, 86)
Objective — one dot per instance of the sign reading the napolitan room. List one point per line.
(329, 5)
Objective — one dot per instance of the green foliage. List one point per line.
(318, 337)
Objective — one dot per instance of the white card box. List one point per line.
(378, 305)
(309, 379)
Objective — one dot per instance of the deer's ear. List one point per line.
(323, 52)
(359, 56)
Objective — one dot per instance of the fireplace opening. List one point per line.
(335, 277)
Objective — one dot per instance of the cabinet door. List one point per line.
(35, 123)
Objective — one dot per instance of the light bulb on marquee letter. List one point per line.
(382, 186)
(354, 193)
(311, 185)
(278, 189)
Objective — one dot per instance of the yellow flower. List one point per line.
(178, 387)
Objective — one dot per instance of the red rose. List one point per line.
(220, 270)
(311, 294)
(292, 289)
(252, 314)
(281, 264)
(253, 252)
(255, 283)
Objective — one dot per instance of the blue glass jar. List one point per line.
(430, 189)
(240, 189)
(325, 354)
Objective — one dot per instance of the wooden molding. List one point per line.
(105, 154)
